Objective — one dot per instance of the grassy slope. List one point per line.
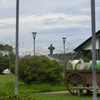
(7, 85)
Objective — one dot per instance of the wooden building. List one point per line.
(86, 46)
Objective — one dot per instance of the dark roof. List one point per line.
(81, 46)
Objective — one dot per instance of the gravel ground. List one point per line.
(53, 92)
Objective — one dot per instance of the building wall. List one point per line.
(89, 46)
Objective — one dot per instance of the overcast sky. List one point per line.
(51, 19)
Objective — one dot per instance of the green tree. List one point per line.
(39, 69)
(6, 56)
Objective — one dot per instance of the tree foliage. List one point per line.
(6, 56)
(39, 69)
(72, 56)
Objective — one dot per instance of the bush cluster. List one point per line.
(12, 96)
(39, 70)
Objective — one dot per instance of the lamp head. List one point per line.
(34, 34)
(64, 39)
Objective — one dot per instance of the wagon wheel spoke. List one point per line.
(80, 81)
(74, 80)
(71, 77)
(78, 78)
(70, 80)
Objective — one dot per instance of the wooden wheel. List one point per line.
(74, 79)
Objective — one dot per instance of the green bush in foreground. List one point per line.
(39, 70)
(12, 96)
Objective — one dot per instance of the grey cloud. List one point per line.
(69, 18)
(54, 21)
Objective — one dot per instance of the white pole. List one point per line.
(93, 49)
(17, 34)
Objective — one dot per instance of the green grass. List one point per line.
(7, 86)
(7, 83)
(61, 96)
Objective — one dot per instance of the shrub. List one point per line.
(12, 96)
(39, 69)
(12, 68)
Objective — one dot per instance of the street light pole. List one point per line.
(17, 35)
(34, 36)
(93, 49)
(64, 40)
